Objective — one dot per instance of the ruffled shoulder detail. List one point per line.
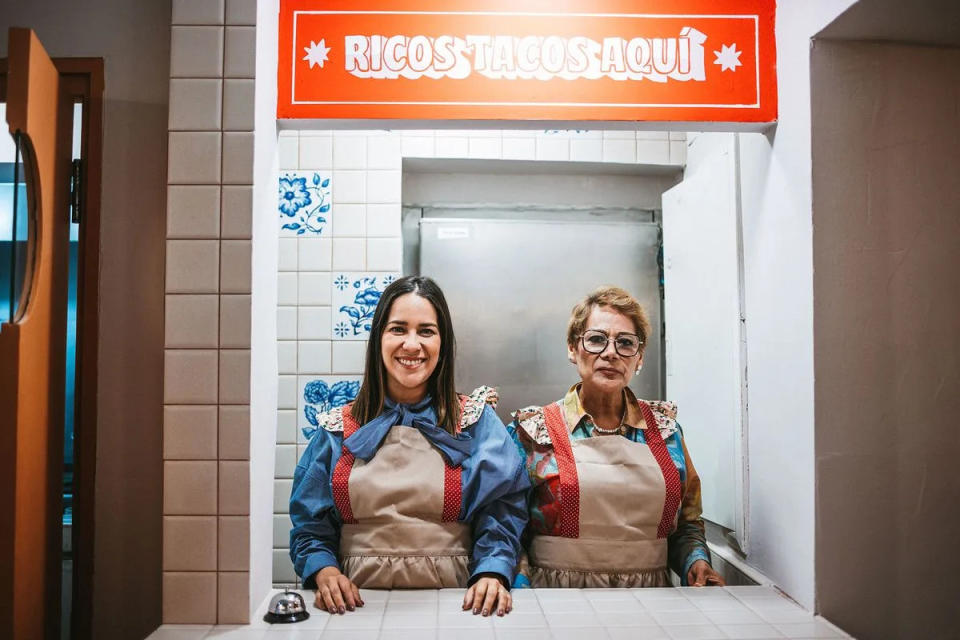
(474, 403)
(331, 421)
(665, 414)
(532, 422)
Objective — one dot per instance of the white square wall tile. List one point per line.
(519, 148)
(313, 356)
(350, 186)
(348, 254)
(349, 153)
(355, 297)
(316, 152)
(286, 460)
(678, 152)
(417, 146)
(281, 495)
(318, 394)
(383, 151)
(384, 254)
(586, 150)
(620, 150)
(281, 530)
(484, 147)
(314, 254)
(304, 203)
(348, 357)
(350, 221)
(314, 289)
(313, 323)
(286, 426)
(287, 356)
(553, 148)
(383, 186)
(287, 392)
(653, 151)
(287, 150)
(447, 147)
(282, 567)
(287, 254)
(383, 220)
(287, 288)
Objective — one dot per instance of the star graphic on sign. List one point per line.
(728, 57)
(316, 53)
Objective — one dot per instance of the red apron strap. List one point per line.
(341, 472)
(453, 482)
(567, 467)
(671, 477)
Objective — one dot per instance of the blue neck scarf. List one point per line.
(366, 441)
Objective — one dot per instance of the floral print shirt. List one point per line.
(685, 545)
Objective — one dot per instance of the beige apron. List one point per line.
(394, 533)
(615, 512)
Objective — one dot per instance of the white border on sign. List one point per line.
(756, 33)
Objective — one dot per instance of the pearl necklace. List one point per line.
(607, 432)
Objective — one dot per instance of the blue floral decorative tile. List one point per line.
(304, 203)
(355, 297)
(317, 395)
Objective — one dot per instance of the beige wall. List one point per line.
(206, 392)
(886, 255)
(133, 38)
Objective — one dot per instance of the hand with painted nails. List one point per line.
(487, 595)
(335, 592)
(701, 574)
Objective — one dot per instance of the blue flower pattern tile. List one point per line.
(304, 201)
(319, 395)
(355, 298)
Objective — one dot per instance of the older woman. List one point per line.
(616, 499)
(412, 485)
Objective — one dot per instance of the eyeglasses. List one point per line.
(625, 344)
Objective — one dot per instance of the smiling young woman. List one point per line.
(390, 493)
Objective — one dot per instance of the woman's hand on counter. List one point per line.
(485, 594)
(335, 592)
(701, 574)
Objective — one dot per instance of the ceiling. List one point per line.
(925, 22)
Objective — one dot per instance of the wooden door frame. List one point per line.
(82, 80)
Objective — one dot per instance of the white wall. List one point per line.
(778, 283)
(263, 327)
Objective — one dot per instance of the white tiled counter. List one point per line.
(544, 614)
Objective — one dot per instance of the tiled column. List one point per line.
(206, 430)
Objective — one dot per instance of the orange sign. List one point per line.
(669, 60)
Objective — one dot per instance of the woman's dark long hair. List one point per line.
(369, 402)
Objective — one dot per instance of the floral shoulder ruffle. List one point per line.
(474, 403)
(331, 420)
(531, 420)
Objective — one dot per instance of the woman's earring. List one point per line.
(637, 372)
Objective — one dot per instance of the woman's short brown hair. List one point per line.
(618, 300)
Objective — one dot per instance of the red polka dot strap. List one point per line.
(341, 472)
(453, 481)
(671, 477)
(569, 481)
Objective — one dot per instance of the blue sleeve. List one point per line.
(495, 488)
(315, 537)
